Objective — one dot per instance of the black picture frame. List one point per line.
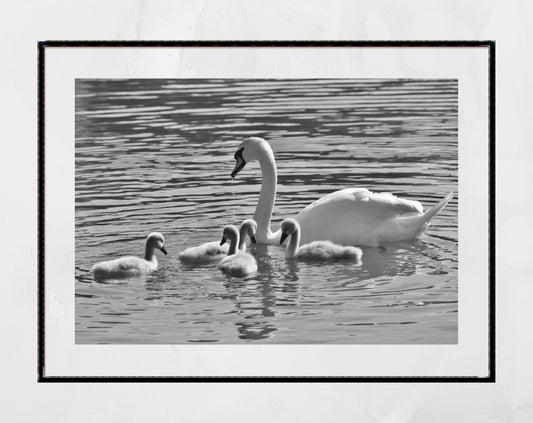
(41, 333)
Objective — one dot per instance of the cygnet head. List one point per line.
(288, 227)
(230, 233)
(249, 150)
(249, 227)
(156, 240)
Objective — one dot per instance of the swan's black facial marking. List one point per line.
(283, 237)
(240, 162)
(238, 154)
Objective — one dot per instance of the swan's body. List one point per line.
(236, 263)
(351, 216)
(213, 251)
(130, 265)
(358, 216)
(209, 251)
(316, 250)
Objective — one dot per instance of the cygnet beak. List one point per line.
(253, 239)
(283, 237)
(223, 241)
(164, 250)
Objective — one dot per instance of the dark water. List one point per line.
(156, 155)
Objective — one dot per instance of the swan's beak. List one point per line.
(223, 241)
(239, 165)
(164, 250)
(283, 238)
(253, 239)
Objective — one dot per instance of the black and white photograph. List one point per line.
(275, 210)
(266, 211)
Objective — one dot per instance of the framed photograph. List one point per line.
(266, 211)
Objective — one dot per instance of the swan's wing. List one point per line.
(129, 264)
(352, 214)
(386, 205)
(123, 265)
(207, 251)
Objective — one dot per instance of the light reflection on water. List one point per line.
(155, 155)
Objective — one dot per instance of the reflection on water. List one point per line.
(155, 155)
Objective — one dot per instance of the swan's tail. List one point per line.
(428, 215)
(416, 225)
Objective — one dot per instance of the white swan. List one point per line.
(348, 216)
(316, 250)
(236, 263)
(130, 265)
(248, 229)
(213, 251)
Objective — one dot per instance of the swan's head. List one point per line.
(250, 149)
(156, 240)
(230, 233)
(288, 227)
(249, 227)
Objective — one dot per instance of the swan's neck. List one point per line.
(149, 253)
(242, 239)
(263, 211)
(294, 244)
(233, 246)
